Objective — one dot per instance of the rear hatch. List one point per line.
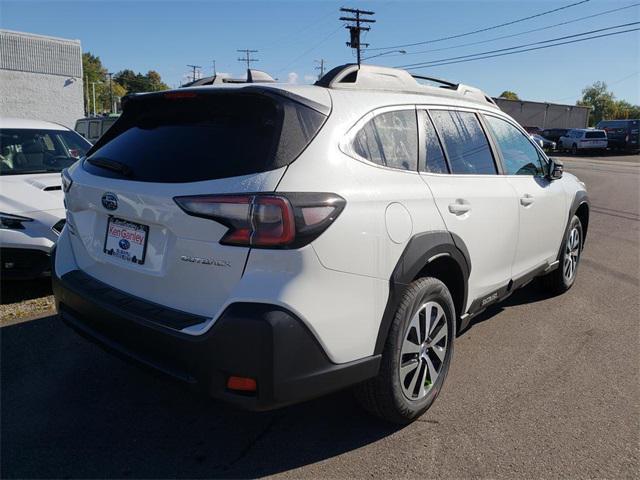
(127, 228)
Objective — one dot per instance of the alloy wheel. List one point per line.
(571, 255)
(423, 350)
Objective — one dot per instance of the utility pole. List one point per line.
(194, 69)
(110, 90)
(93, 85)
(320, 66)
(214, 68)
(87, 107)
(247, 57)
(354, 30)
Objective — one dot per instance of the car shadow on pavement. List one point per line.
(71, 410)
(14, 291)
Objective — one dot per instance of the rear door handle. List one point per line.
(527, 200)
(459, 208)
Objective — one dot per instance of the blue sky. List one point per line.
(167, 35)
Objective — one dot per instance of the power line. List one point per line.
(522, 33)
(357, 29)
(624, 78)
(247, 57)
(526, 50)
(309, 50)
(608, 85)
(290, 35)
(516, 47)
(486, 29)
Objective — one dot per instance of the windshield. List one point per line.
(25, 151)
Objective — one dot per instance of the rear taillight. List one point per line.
(289, 220)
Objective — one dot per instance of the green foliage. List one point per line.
(137, 82)
(509, 95)
(604, 105)
(126, 81)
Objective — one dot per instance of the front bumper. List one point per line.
(24, 263)
(259, 341)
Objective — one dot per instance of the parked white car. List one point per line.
(32, 155)
(274, 242)
(583, 139)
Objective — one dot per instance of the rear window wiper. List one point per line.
(112, 165)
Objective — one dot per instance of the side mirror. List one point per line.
(556, 167)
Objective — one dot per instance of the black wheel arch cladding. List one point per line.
(580, 207)
(420, 250)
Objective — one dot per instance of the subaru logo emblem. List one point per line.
(124, 244)
(110, 201)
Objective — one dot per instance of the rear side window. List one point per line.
(519, 155)
(595, 135)
(434, 156)
(390, 139)
(465, 142)
(197, 137)
(94, 129)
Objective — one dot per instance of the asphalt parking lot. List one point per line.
(539, 387)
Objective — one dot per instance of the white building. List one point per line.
(40, 78)
(545, 114)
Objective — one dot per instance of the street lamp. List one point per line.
(110, 91)
(402, 52)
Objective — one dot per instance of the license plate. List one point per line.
(126, 240)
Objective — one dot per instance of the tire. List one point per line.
(402, 396)
(559, 281)
(559, 146)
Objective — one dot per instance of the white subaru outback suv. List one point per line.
(272, 243)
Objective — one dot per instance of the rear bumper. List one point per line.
(259, 341)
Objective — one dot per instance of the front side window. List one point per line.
(39, 151)
(595, 135)
(465, 142)
(519, 155)
(390, 139)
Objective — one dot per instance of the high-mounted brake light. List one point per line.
(178, 95)
(267, 221)
(242, 384)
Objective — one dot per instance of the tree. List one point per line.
(123, 82)
(95, 73)
(624, 109)
(601, 101)
(509, 95)
(155, 82)
(137, 82)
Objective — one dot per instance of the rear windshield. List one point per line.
(191, 137)
(595, 135)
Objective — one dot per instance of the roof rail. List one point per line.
(445, 83)
(372, 77)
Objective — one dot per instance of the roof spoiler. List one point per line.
(253, 76)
